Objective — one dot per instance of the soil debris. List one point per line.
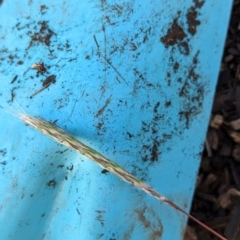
(43, 35)
(174, 35)
(49, 80)
(40, 67)
(192, 21)
(14, 79)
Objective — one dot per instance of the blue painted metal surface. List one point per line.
(126, 85)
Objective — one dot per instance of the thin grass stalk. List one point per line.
(69, 141)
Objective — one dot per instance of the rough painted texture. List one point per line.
(135, 80)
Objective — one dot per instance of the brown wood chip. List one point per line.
(235, 124)
(217, 121)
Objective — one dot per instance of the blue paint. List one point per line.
(119, 93)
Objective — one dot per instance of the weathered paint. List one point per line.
(133, 79)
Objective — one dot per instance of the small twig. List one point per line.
(101, 110)
(46, 83)
(208, 148)
(95, 39)
(68, 140)
(40, 90)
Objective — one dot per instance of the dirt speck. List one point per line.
(168, 103)
(14, 79)
(198, 4)
(195, 60)
(191, 94)
(129, 135)
(185, 116)
(174, 35)
(43, 35)
(70, 168)
(20, 62)
(192, 20)
(40, 67)
(154, 152)
(43, 9)
(156, 107)
(52, 183)
(12, 94)
(184, 48)
(49, 80)
(99, 126)
(184, 90)
(192, 74)
(104, 171)
(176, 66)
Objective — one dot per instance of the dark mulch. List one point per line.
(216, 200)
